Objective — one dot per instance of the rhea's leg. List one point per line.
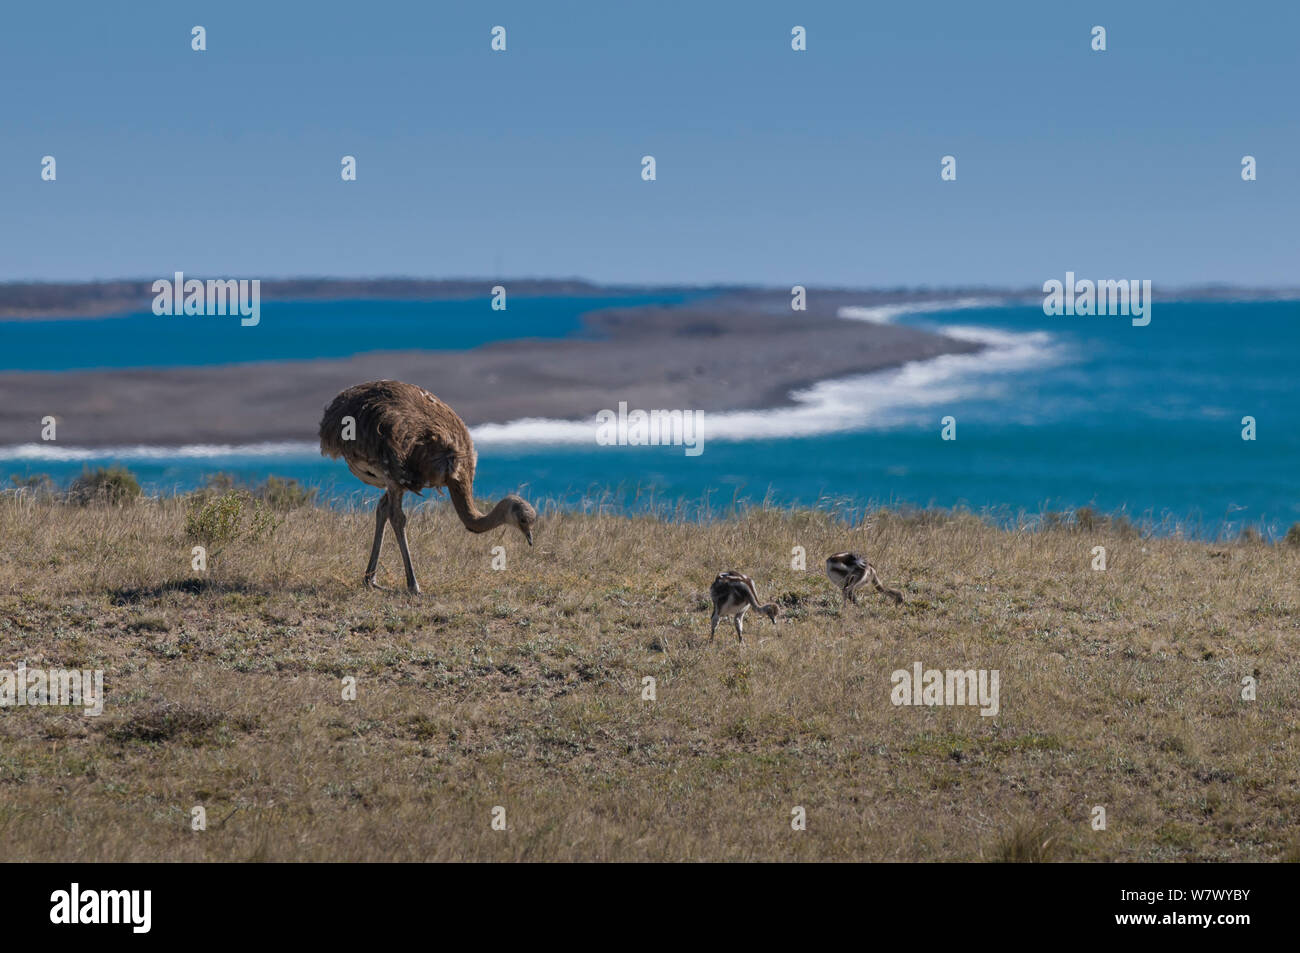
(381, 517)
(398, 519)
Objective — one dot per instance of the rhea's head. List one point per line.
(522, 515)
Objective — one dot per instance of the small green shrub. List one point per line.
(278, 493)
(115, 486)
(227, 518)
(285, 494)
(1087, 519)
(36, 484)
(219, 483)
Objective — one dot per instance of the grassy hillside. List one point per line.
(522, 688)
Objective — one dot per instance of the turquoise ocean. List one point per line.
(1055, 414)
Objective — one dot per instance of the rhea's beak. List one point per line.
(529, 534)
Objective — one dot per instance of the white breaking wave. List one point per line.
(895, 398)
(197, 451)
(875, 401)
(886, 313)
(537, 430)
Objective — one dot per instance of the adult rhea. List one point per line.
(399, 437)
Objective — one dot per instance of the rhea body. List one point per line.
(849, 571)
(733, 594)
(401, 438)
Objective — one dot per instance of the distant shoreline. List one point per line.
(108, 299)
(38, 300)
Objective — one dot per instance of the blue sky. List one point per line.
(774, 167)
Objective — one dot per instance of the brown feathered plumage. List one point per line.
(402, 438)
(404, 435)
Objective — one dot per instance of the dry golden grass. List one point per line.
(522, 688)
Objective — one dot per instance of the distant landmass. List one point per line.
(123, 296)
(106, 298)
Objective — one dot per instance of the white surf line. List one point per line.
(876, 401)
(143, 452)
(886, 313)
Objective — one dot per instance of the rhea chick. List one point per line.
(849, 571)
(733, 594)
